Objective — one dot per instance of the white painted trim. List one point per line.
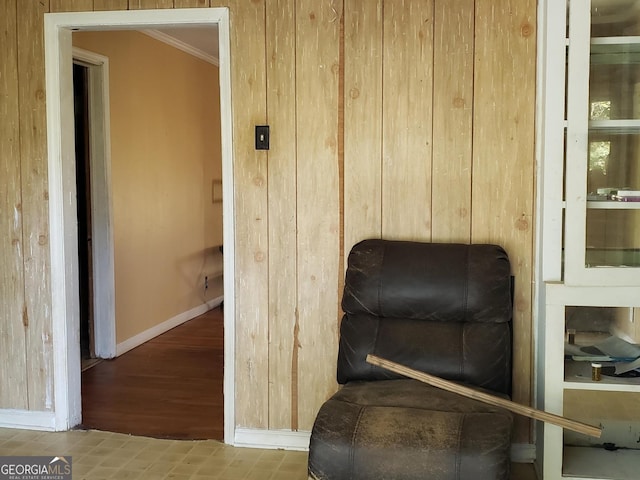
(153, 332)
(272, 439)
(550, 102)
(61, 166)
(62, 225)
(88, 57)
(180, 45)
(550, 81)
(27, 420)
(229, 229)
(104, 297)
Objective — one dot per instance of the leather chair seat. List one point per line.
(405, 430)
(444, 309)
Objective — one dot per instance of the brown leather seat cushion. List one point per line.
(404, 429)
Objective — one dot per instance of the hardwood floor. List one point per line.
(169, 387)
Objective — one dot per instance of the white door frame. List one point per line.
(104, 304)
(62, 200)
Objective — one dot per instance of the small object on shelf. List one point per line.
(625, 195)
(607, 191)
(596, 372)
(571, 333)
(625, 198)
(593, 197)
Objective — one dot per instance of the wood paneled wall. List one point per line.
(405, 119)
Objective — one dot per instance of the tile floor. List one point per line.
(102, 455)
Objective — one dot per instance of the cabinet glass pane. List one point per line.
(613, 238)
(613, 163)
(614, 80)
(611, 18)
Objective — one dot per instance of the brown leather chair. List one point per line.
(444, 309)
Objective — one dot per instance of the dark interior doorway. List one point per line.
(83, 189)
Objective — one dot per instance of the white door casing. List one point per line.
(62, 199)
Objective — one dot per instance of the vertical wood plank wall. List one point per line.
(318, 209)
(282, 180)
(14, 382)
(362, 121)
(35, 214)
(452, 121)
(502, 183)
(407, 122)
(437, 99)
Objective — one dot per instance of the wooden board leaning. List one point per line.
(485, 397)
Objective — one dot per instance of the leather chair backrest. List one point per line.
(444, 309)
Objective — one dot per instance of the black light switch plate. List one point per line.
(262, 137)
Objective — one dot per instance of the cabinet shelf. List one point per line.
(577, 376)
(598, 463)
(615, 127)
(612, 205)
(630, 40)
(615, 51)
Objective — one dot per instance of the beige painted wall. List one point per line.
(165, 145)
(409, 119)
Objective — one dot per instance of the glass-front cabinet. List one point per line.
(591, 375)
(602, 220)
(589, 325)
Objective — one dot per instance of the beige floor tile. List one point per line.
(111, 456)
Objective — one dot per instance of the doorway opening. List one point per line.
(83, 207)
(167, 229)
(63, 212)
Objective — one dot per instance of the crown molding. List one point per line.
(180, 45)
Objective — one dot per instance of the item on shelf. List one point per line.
(612, 349)
(624, 195)
(593, 197)
(607, 191)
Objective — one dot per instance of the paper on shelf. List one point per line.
(618, 348)
(624, 367)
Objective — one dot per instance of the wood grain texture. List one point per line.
(190, 3)
(169, 387)
(452, 120)
(99, 5)
(407, 119)
(248, 79)
(362, 122)
(35, 195)
(71, 5)
(318, 248)
(149, 4)
(503, 176)
(503, 160)
(13, 381)
(283, 324)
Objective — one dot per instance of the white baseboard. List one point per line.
(288, 440)
(165, 326)
(27, 420)
(523, 452)
(272, 439)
